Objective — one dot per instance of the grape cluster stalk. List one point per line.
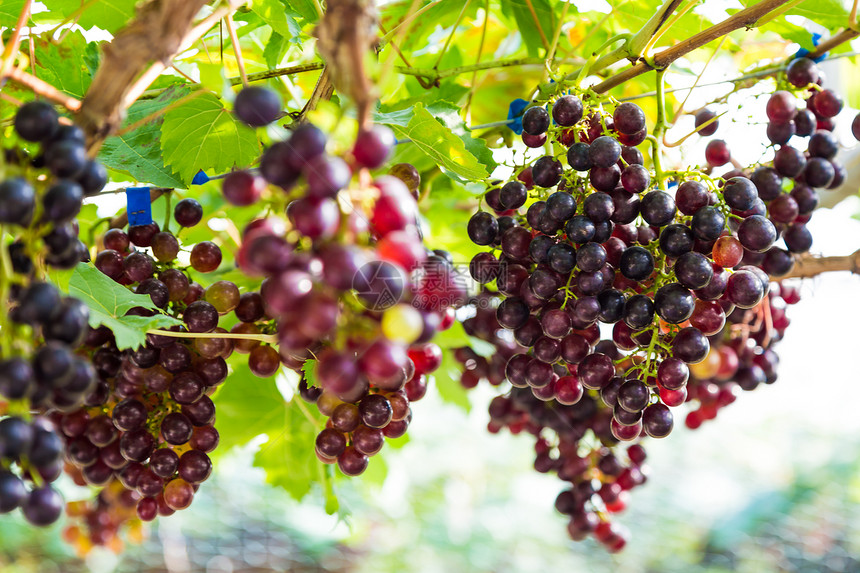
(616, 293)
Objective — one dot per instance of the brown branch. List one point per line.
(156, 35)
(11, 49)
(44, 89)
(845, 35)
(807, 266)
(746, 18)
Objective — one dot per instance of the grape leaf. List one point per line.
(447, 379)
(202, 135)
(307, 9)
(9, 12)
(64, 65)
(247, 406)
(109, 15)
(275, 50)
(435, 139)
(456, 337)
(137, 153)
(108, 302)
(526, 22)
(288, 456)
(279, 17)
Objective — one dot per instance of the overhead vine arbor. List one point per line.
(599, 210)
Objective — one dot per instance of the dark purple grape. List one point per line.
(804, 123)
(704, 115)
(628, 118)
(375, 410)
(783, 209)
(690, 197)
(578, 156)
(201, 412)
(744, 289)
(595, 371)
(805, 197)
(802, 72)
(635, 178)
(66, 158)
(604, 151)
(674, 303)
(757, 233)
(605, 178)
(567, 110)
(546, 171)
(138, 266)
(561, 258)
(781, 107)
(43, 506)
(657, 420)
(561, 206)
(823, 144)
(819, 172)
(194, 466)
(164, 462)
(780, 133)
(636, 263)
(788, 161)
(515, 243)
(633, 396)
(92, 178)
(580, 229)
(676, 239)
(62, 202)
(129, 414)
(512, 195)
(632, 156)
(176, 428)
(535, 120)
(257, 106)
(556, 323)
(205, 256)
(797, 238)
(740, 193)
(657, 208)
(12, 491)
(708, 223)
(673, 374)
(777, 262)
(136, 445)
(693, 270)
(186, 388)
(690, 345)
(768, 183)
(590, 257)
(598, 207)
(638, 312)
(36, 121)
(512, 313)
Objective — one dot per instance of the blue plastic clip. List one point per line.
(802, 52)
(200, 178)
(138, 206)
(515, 112)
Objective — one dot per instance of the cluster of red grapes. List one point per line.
(681, 271)
(39, 368)
(741, 356)
(348, 278)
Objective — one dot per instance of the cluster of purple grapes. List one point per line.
(39, 369)
(742, 356)
(347, 277)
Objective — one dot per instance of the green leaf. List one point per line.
(526, 24)
(108, 302)
(276, 15)
(9, 12)
(447, 380)
(288, 456)
(275, 50)
(307, 9)
(64, 65)
(202, 134)
(456, 337)
(247, 406)
(436, 140)
(138, 153)
(109, 15)
(309, 368)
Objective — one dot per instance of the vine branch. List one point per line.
(807, 266)
(746, 18)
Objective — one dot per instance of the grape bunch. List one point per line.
(40, 368)
(35, 449)
(678, 264)
(356, 294)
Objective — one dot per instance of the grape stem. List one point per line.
(807, 266)
(237, 48)
(11, 48)
(42, 88)
(6, 270)
(267, 338)
(746, 18)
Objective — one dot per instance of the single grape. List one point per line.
(703, 116)
(717, 153)
(187, 213)
(205, 257)
(535, 120)
(374, 146)
(257, 106)
(36, 121)
(629, 118)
